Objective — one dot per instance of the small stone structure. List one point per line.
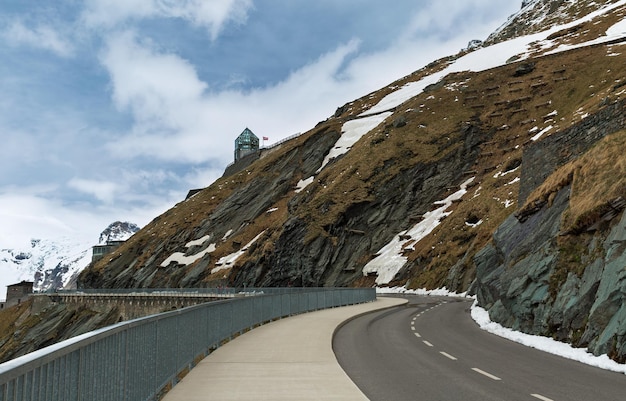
(98, 251)
(17, 293)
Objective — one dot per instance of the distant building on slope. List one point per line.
(98, 251)
(17, 293)
(245, 144)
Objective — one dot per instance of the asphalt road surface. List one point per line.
(431, 349)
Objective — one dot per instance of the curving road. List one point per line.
(431, 349)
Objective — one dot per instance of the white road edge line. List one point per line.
(541, 397)
(489, 375)
(417, 335)
(447, 355)
(427, 343)
(413, 328)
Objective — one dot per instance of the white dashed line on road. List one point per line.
(541, 397)
(428, 343)
(489, 375)
(417, 335)
(447, 355)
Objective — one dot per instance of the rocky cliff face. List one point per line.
(526, 280)
(479, 168)
(38, 323)
(556, 267)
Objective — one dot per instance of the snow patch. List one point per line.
(615, 32)
(540, 134)
(515, 180)
(474, 225)
(227, 261)
(352, 131)
(304, 183)
(182, 259)
(390, 258)
(501, 174)
(197, 242)
(440, 292)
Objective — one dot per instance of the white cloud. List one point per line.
(155, 87)
(24, 216)
(41, 37)
(27, 213)
(104, 191)
(177, 119)
(445, 20)
(209, 14)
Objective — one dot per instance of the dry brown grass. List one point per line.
(596, 178)
(9, 317)
(599, 176)
(582, 91)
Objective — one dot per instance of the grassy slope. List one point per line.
(507, 106)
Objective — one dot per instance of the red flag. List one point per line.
(266, 138)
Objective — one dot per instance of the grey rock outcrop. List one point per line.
(521, 282)
(543, 157)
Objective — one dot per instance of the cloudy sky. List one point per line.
(113, 109)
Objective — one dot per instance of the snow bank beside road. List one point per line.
(545, 344)
(481, 316)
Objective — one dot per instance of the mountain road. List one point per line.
(431, 349)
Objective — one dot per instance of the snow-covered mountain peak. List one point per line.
(52, 263)
(118, 231)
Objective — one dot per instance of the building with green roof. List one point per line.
(245, 144)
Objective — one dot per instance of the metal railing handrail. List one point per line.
(138, 359)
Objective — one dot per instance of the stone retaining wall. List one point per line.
(130, 306)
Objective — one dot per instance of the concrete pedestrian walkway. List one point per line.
(289, 359)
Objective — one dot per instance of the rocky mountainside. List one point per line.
(497, 170)
(539, 15)
(118, 231)
(49, 263)
(54, 263)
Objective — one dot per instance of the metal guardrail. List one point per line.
(139, 359)
(181, 291)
